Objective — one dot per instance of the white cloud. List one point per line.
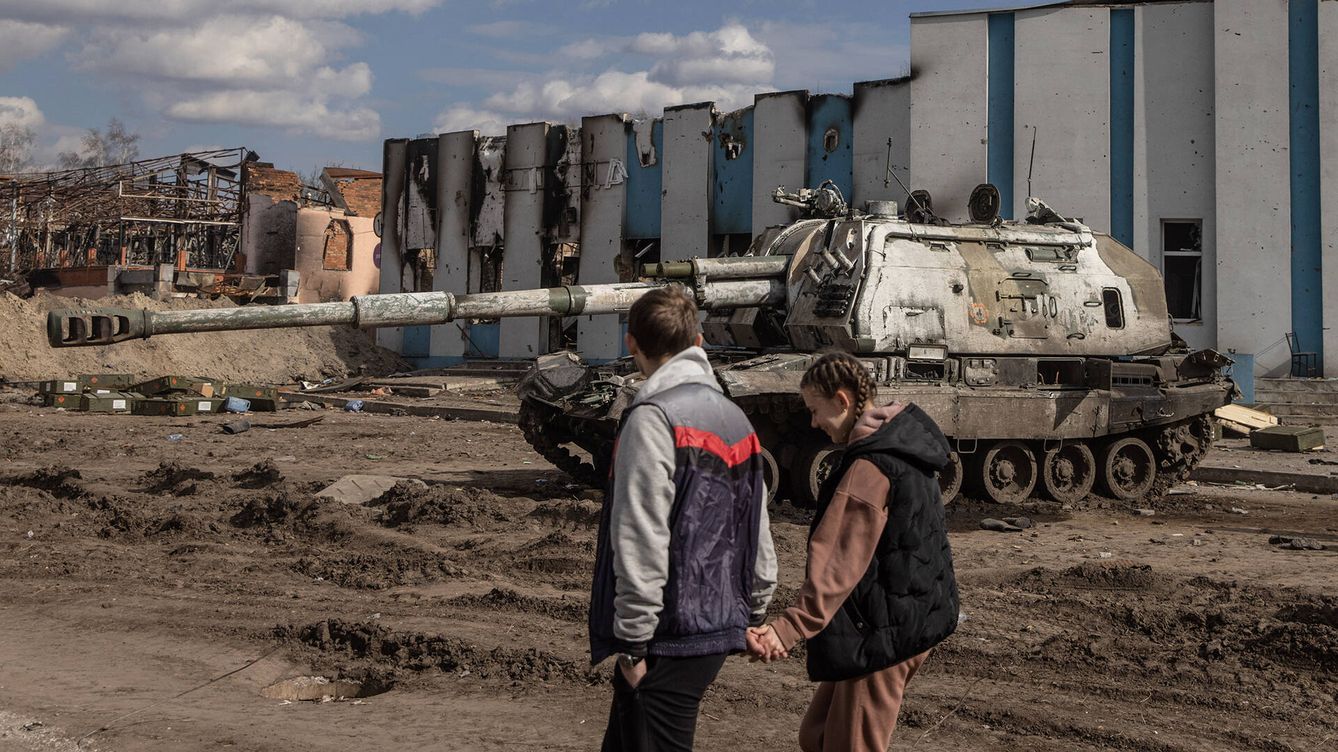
(727, 66)
(20, 40)
(277, 63)
(21, 111)
(310, 114)
(463, 118)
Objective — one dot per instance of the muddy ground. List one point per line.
(133, 569)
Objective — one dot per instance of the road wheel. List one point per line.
(950, 478)
(1128, 470)
(1007, 472)
(1067, 473)
(813, 465)
(770, 474)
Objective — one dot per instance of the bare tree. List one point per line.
(114, 145)
(16, 143)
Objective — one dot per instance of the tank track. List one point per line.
(538, 423)
(1179, 448)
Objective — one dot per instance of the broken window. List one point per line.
(338, 255)
(1182, 267)
(1110, 300)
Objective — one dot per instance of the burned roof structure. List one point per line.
(184, 209)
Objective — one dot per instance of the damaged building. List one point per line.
(210, 223)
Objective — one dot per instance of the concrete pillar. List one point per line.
(1174, 158)
(780, 125)
(392, 195)
(882, 111)
(603, 199)
(1253, 181)
(1328, 119)
(1062, 87)
(522, 265)
(455, 175)
(685, 210)
(948, 109)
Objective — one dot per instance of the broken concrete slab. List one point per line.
(360, 489)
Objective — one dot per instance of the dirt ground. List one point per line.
(134, 569)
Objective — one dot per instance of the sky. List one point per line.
(307, 83)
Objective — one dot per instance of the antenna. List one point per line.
(888, 184)
(1032, 163)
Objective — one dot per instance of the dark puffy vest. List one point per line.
(907, 601)
(713, 531)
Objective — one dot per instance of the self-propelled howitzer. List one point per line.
(1043, 349)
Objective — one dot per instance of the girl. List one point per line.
(879, 592)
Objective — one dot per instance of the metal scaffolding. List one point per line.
(184, 210)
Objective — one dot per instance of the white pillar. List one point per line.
(603, 197)
(522, 265)
(685, 210)
(455, 175)
(780, 125)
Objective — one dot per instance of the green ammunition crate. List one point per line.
(113, 402)
(117, 382)
(72, 385)
(263, 399)
(177, 405)
(67, 401)
(176, 384)
(1288, 438)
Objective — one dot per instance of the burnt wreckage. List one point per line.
(1042, 348)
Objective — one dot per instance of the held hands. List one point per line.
(765, 645)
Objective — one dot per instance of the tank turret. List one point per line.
(1042, 348)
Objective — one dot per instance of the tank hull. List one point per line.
(1131, 439)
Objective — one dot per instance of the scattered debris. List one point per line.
(353, 406)
(1238, 510)
(1145, 512)
(237, 426)
(1242, 420)
(236, 405)
(1297, 543)
(999, 526)
(1318, 461)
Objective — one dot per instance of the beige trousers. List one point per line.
(857, 715)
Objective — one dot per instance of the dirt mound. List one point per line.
(57, 480)
(409, 503)
(174, 478)
(280, 356)
(573, 512)
(416, 652)
(381, 567)
(260, 475)
(279, 508)
(502, 599)
(1092, 575)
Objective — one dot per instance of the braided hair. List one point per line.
(840, 370)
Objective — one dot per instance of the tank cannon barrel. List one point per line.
(75, 328)
(728, 267)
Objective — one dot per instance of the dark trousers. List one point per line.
(660, 714)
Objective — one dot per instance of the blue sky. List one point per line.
(308, 82)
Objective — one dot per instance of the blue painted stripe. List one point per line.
(999, 128)
(1122, 125)
(415, 342)
(831, 112)
(641, 212)
(732, 194)
(1307, 247)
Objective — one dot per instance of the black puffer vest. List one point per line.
(907, 601)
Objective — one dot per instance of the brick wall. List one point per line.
(280, 185)
(361, 195)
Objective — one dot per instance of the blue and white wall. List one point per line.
(697, 182)
(1224, 113)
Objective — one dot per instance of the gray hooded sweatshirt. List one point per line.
(643, 497)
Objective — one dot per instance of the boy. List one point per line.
(685, 561)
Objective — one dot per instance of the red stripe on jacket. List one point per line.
(731, 454)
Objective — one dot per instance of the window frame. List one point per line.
(1198, 280)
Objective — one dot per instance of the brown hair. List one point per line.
(840, 370)
(664, 321)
